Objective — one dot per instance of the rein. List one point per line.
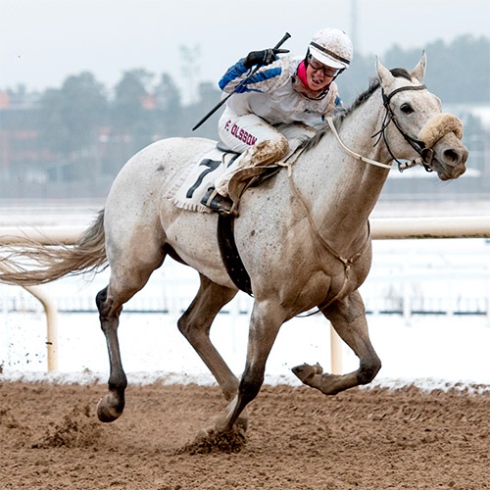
(352, 153)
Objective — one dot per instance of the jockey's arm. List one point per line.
(263, 80)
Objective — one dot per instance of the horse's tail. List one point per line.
(29, 262)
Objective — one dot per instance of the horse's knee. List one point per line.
(190, 330)
(368, 370)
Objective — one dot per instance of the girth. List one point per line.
(230, 256)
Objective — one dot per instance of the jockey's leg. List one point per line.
(262, 154)
(259, 144)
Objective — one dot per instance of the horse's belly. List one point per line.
(193, 238)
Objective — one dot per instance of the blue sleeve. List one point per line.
(234, 72)
(260, 81)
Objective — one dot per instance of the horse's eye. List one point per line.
(406, 108)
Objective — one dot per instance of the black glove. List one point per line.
(261, 58)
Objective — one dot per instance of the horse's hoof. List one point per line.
(202, 435)
(305, 372)
(221, 425)
(107, 410)
(242, 423)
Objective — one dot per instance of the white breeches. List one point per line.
(244, 134)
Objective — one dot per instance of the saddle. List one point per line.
(190, 188)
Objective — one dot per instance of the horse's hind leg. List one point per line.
(195, 325)
(111, 406)
(131, 268)
(348, 318)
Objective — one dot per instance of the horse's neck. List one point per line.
(343, 189)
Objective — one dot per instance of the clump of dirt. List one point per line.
(77, 429)
(217, 442)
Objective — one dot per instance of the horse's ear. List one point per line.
(419, 71)
(384, 74)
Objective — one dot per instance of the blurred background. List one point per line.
(86, 84)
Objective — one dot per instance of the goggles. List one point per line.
(315, 65)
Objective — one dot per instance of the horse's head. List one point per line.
(419, 130)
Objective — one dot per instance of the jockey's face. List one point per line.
(319, 76)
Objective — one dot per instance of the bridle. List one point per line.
(426, 154)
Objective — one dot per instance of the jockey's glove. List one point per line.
(262, 58)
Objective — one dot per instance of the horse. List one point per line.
(303, 237)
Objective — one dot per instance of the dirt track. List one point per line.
(298, 439)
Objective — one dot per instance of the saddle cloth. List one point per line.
(197, 178)
(203, 172)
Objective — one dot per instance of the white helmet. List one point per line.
(332, 47)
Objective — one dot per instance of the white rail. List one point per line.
(406, 228)
(381, 228)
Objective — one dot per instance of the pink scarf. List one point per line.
(302, 74)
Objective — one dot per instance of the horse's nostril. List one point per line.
(451, 157)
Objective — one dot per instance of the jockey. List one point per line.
(257, 121)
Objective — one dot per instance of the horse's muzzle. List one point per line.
(449, 157)
(444, 152)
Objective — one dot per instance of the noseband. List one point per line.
(425, 153)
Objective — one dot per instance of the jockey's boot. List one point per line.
(217, 202)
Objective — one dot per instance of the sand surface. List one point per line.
(297, 439)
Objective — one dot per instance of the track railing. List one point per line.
(381, 229)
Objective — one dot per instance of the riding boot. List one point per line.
(249, 164)
(217, 202)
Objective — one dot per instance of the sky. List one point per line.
(44, 41)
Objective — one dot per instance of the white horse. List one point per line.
(303, 236)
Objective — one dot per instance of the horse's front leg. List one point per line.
(111, 406)
(348, 318)
(265, 323)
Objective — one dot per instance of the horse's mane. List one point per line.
(374, 84)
